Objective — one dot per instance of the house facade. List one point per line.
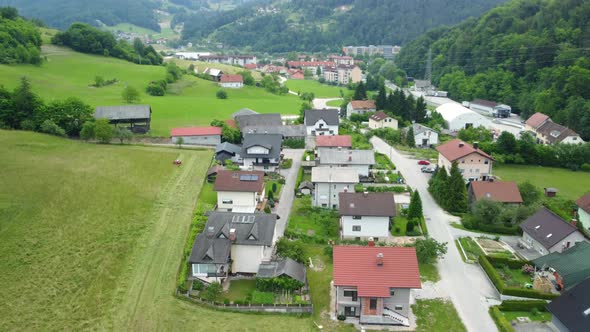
(228, 151)
(360, 107)
(374, 284)
(423, 136)
(545, 131)
(261, 152)
(360, 160)
(329, 182)
(382, 120)
(321, 122)
(239, 191)
(343, 74)
(336, 142)
(196, 135)
(583, 204)
(545, 232)
(231, 81)
(366, 215)
(492, 108)
(233, 60)
(473, 163)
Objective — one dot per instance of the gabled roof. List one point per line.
(572, 308)
(363, 104)
(369, 204)
(244, 181)
(213, 71)
(123, 112)
(210, 250)
(554, 132)
(251, 228)
(573, 265)
(344, 141)
(283, 267)
(250, 66)
(357, 266)
(230, 78)
(547, 228)
(249, 120)
(306, 184)
(419, 129)
(284, 130)
(195, 131)
(330, 116)
(498, 191)
(584, 202)
(270, 141)
(214, 170)
(456, 148)
(243, 111)
(334, 175)
(484, 102)
(346, 157)
(378, 116)
(309, 63)
(228, 147)
(536, 120)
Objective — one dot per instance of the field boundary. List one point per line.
(268, 308)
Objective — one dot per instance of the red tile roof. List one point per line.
(455, 149)
(231, 123)
(250, 66)
(228, 78)
(584, 202)
(378, 116)
(195, 131)
(357, 266)
(310, 63)
(498, 191)
(344, 141)
(363, 104)
(536, 120)
(228, 180)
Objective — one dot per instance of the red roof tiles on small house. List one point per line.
(379, 116)
(359, 266)
(584, 202)
(363, 104)
(344, 141)
(536, 120)
(229, 78)
(250, 66)
(310, 63)
(455, 149)
(498, 191)
(195, 131)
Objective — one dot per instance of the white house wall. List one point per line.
(321, 124)
(199, 140)
(431, 136)
(246, 259)
(244, 201)
(370, 227)
(472, 166)
(232, 85)
(326, 194)
(584, 218)
(461, 121)
(573, 238)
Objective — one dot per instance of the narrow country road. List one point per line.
(468, 286)
(288, 191)
(321, 103)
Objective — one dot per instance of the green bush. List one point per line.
(491, 272)
(498, 228)
(516, 305)
(502, 323)
(197, 285)
(511, 263)
(294, 143)
(529, 293)
(221, 94)
(410, 226)
(341, 317)
(287, 163)
(423, 226)
(585, 167)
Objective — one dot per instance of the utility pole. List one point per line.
(428, 73)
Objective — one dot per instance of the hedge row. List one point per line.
(511, 263)
(529, 293)
(502, 323)
(498, 228)
(423, 226)
(515, 305)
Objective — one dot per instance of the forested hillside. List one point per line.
(326, 25)
(20, 41)
(531, 54)
(61, 13)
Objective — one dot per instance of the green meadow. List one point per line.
(191, 101)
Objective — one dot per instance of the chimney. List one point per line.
(339, 148)
(574, 222)
(365, 193)
(380, 259)
(461, 144)
(476, 145)
(232, 234)
(371, 242)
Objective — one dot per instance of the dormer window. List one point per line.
(251, 237)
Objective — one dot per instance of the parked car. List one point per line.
(423, 162)
(427, 169)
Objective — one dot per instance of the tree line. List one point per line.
(20, 40)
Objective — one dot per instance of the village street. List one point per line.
(467, 285)
(288, 192)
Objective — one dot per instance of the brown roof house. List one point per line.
(366, 215)
(382, 120)
(545, 232)
(546, 131)
(239, 191)
(583, 204)
(360, 107)
(498, 191)
(473, 163)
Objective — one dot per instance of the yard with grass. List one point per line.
(398, 227)
(239, 289)
(383, 162)
(437, 315)
(201, 66)
(69, 74)
(472, 250)
(208, 196)
(513, 277)
(570, 184)
(320, 90)
(307, 221)
(538, 317)
(429, 272)
(335, 103)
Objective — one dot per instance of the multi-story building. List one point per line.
(473, 163)
(329, 182)
(343, 74)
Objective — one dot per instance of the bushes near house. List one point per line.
(294, 143)
(380, 189)
(263, 297)
(277, 284)
(286, 163)
(502, 323)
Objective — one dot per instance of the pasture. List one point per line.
(192, 101)
(320, 90)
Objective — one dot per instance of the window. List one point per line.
(357, 238)
(334, 186)
(357, 217)
(356, 228)
(392, 292)
(227, 201)
(351, 293)
(486, 162)
(373, 304)
(462, 161)
(376, 239)
(324, 205)
(399, 307)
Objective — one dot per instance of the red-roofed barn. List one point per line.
(375, 283)
(231, 81)
(196, 135)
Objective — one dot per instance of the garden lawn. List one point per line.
(320, 90)
(239, 289)
(539, 317)
(570, 184)
(437, 315)
(383, 162)
(335, 103)
(429, 272)
(201, 66)
(318, 223)
(472, 250)
(208, 196)
(513, 277)
(399, 226)
(277, 193)
(69, 74)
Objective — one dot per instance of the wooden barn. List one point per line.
(137, 117)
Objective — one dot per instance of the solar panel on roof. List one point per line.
(249, 177)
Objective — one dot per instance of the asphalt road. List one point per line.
(467, 285)
(288, 192)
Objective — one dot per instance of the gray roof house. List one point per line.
(362, 160)
(262, 120)
(284, 267)
(571, 311)
(329, 182)
(243, 111)
(261, 151)
(226, 150)
(545, 232)
(239, 239)
(329, 115)
(287, 131)
(137, 116)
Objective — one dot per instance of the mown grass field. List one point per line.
(320, 90)
(69, 74)
(200, 65)
(91, 237)
(570, 184)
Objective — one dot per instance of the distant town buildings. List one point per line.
(388, 51)
(343, 74)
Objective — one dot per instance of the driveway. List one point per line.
(321, 103)
(288, 192)
(467, 285)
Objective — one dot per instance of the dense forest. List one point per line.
(20, 41)
(61, 13)
(325, 25)
(531, 54)
(87, 39)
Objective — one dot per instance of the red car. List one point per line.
(423, 162)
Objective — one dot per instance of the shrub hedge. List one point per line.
(515, 305)
(423, 226)
(511, 263)
(502, 323)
